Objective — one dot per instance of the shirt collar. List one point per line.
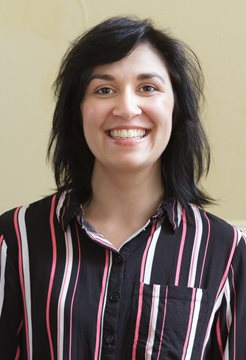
(68, 207)
(172, 209)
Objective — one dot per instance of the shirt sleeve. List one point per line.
(231, 317)
(11, 314)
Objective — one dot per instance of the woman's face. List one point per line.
(127, 111)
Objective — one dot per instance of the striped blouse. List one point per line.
(176, 289)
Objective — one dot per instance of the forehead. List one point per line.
(143, 58)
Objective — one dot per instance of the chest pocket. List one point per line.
(168, 322)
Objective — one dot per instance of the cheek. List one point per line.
(86, 116)
(163, 119)
(93, 114)
(163, 122)
(86, 111)
(163, 107)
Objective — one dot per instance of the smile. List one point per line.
(127, 133)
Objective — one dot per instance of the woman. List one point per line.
(123, 262)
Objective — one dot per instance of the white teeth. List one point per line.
(127, 134)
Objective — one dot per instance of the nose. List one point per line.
(127, 105)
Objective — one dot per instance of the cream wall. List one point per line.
(35, 34)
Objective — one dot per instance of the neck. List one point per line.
(126, 196)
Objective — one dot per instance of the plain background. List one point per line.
(34, 35)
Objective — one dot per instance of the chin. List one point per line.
(131, 166)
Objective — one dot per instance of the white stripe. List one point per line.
(151, 254)
(3, 260)
(240, 234)
(26, 272)
(60, 204)
(63, 294)
(228, 305)
(196, 313)
(196, 247)
(154, 314)
(211, 320)
(104, 305)
(179, 212)
(99, 238)
(226, 352)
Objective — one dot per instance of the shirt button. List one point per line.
(109, 340)
(114, 297)
(117, 259)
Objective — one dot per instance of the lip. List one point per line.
(126, 142)
(130, 142)
(127, 128)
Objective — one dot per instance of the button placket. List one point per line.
(112, 305)
(109, 340)
(117, 259)
(114, 297)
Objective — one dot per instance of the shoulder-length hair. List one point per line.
(187, 155)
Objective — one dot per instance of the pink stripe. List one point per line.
(223, 279)
(17, 355)
(190, 322)
(151, 320)
(140, 304)
(1, 240)
(219, 339)
(195, 244)
(181, 249)
(74, 291)
(228, 263)
(163, 323)
(140, 299)
(206, 250)
(234, 312)
(61, 295)
(146, 251)
(21, 277)
(100, 307)
(52, 274)
(20, 327)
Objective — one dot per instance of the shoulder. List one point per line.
(220, 245)
(38, 209)
(221, 233)
(217, 225)
(51, 212)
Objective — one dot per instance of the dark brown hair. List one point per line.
(187, 155)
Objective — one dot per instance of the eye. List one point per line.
(104, 91)
(148, 88)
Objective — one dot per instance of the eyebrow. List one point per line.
(101, 77)
(144, 76)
